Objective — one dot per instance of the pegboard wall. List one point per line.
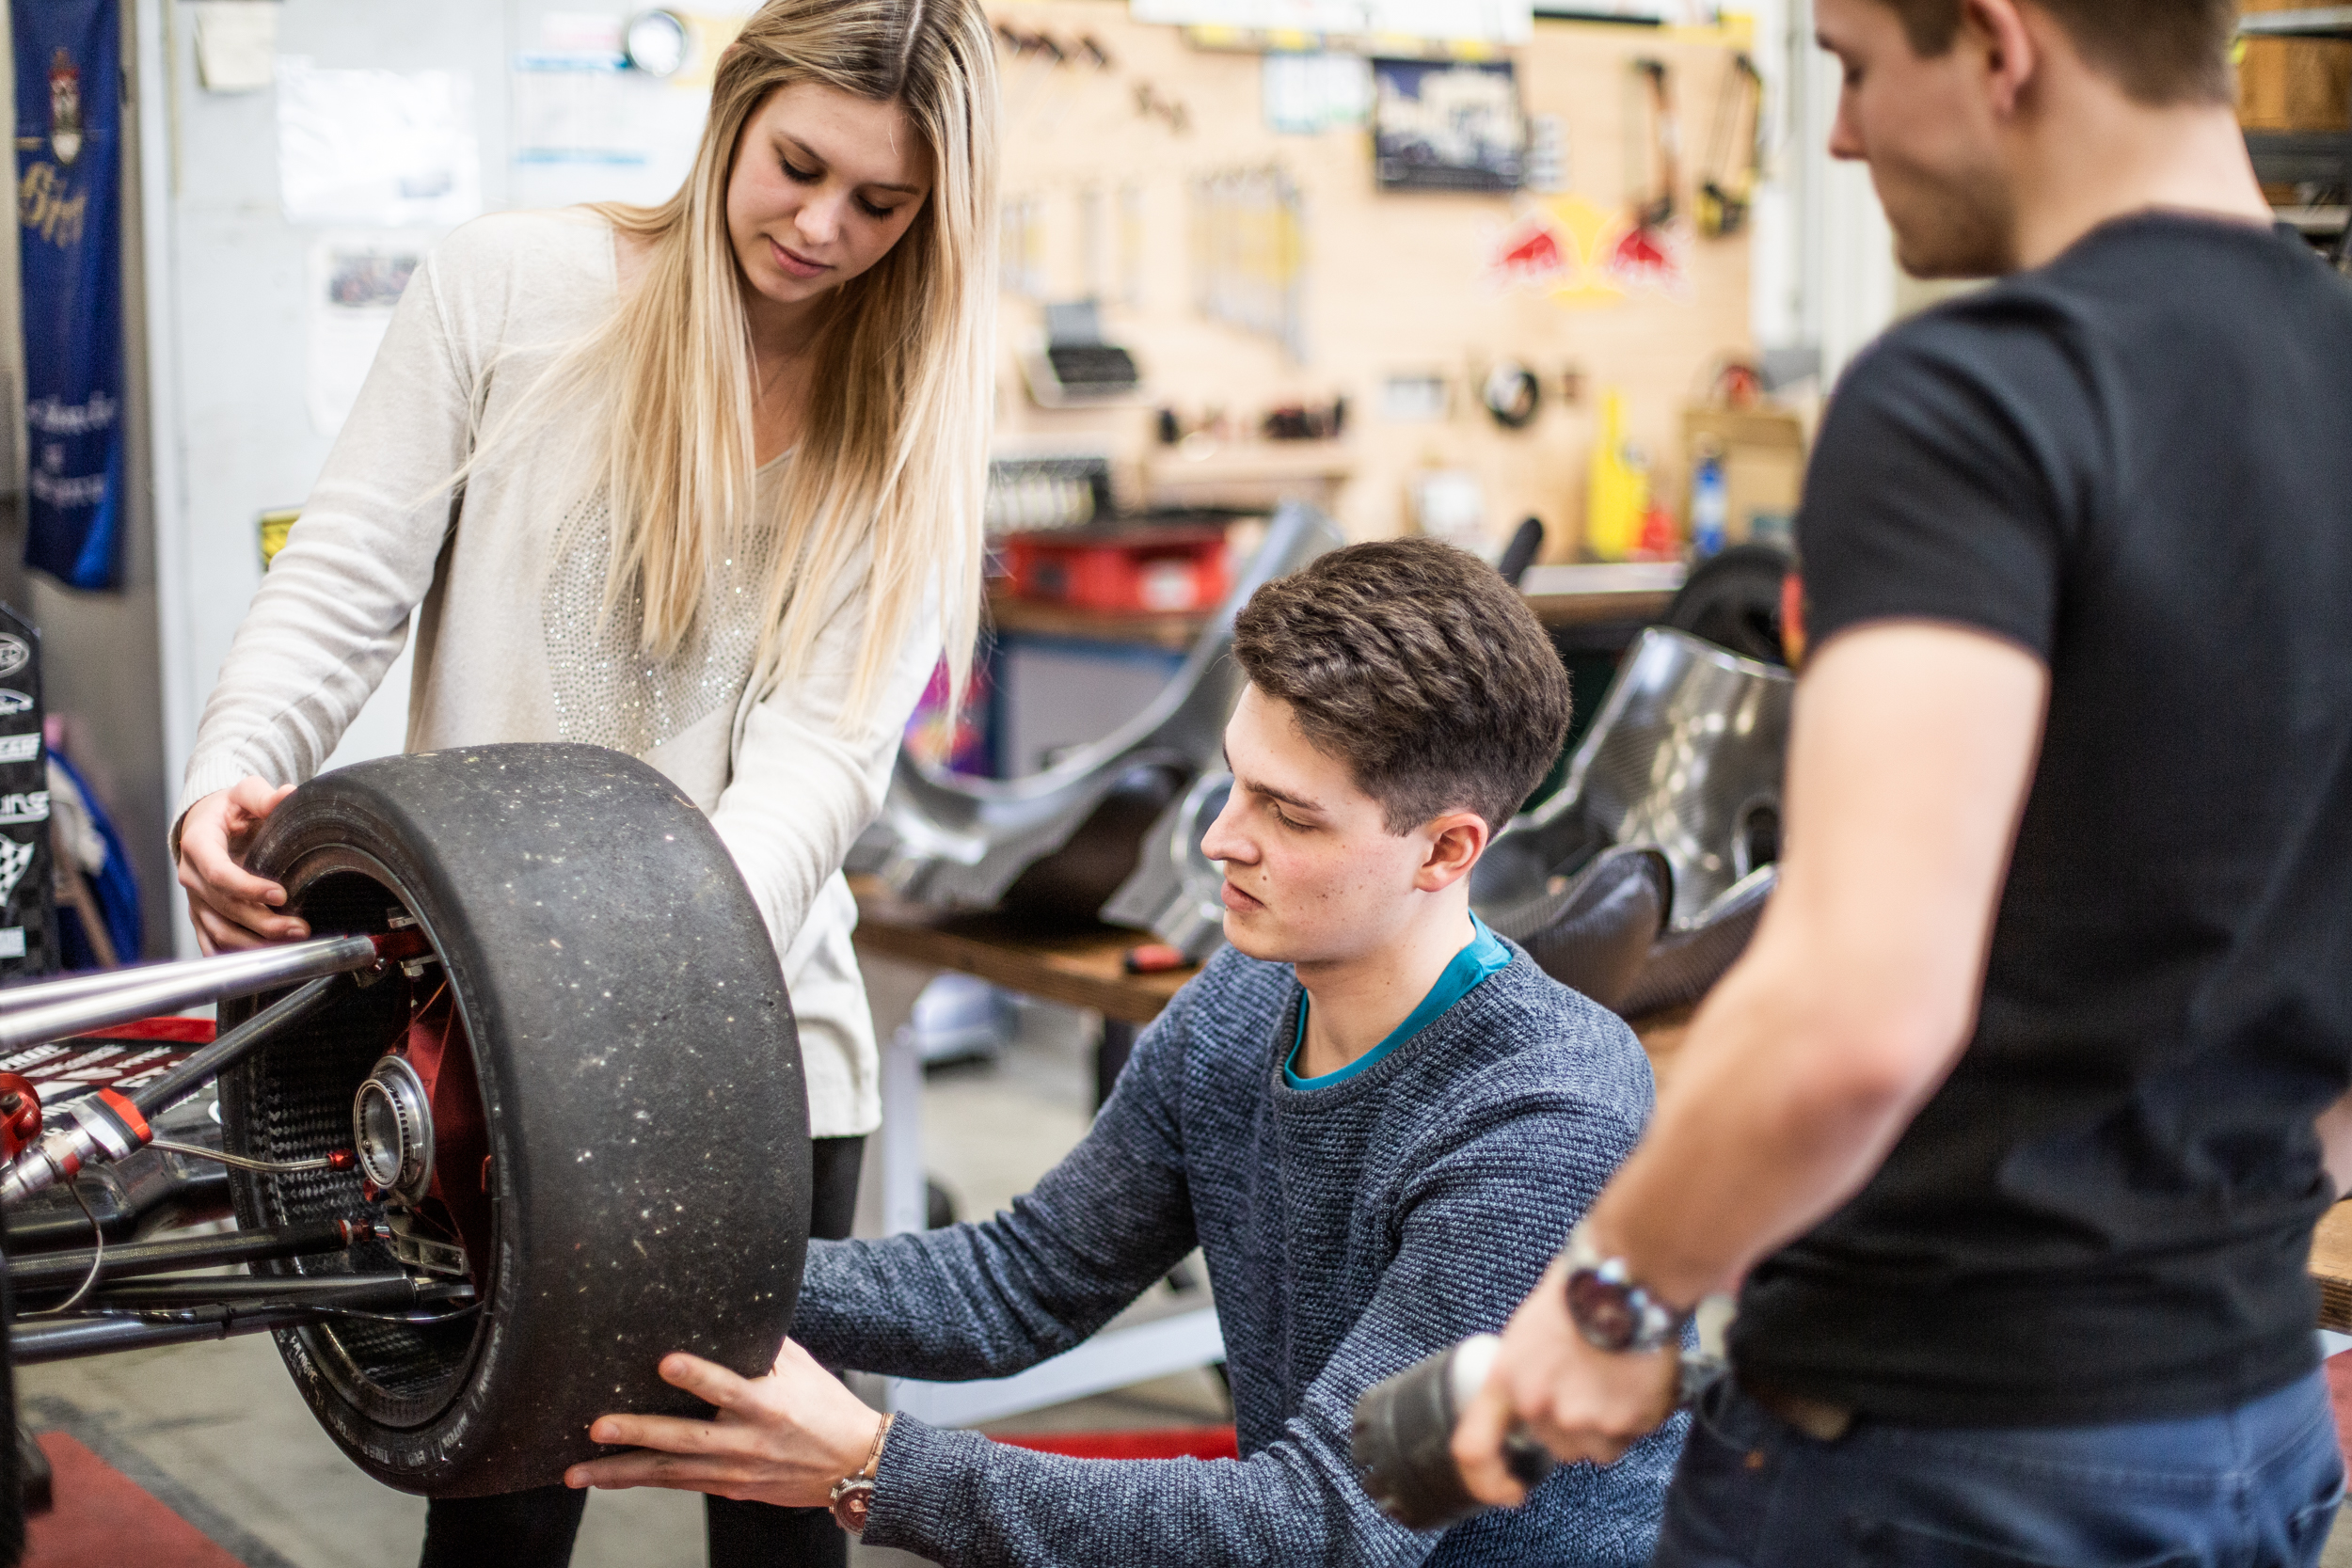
(1115, 159)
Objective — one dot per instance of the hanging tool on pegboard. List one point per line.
(1653, 145)
(1727, 193)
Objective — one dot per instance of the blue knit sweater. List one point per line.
(1349, 1231)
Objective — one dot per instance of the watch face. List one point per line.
(1603, 1311)
(853, 1507)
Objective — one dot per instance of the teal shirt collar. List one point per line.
(1482, 956)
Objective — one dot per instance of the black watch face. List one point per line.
(1602, 1313)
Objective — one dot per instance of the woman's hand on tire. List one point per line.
(232, 907)
(785, 1438)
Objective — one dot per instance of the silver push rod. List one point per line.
(59, 1008)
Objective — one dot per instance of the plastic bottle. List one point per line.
(1619, 491)
(1710, 506)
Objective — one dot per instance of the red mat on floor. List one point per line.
(1155, 1443)
(103, 1520)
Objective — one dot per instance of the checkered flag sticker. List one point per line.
(15, 859)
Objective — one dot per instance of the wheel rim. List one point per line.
(300, 1095)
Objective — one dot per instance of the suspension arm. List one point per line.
(349, 1293)
(63, 1271)
(54, 1009)
(64, 1339)
(110, 1125)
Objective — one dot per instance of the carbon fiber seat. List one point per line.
(1058, 843)
(1683, 769)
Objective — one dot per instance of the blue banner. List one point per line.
(69, 162)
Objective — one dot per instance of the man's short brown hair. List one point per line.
(2162, 50)
(1423, 669)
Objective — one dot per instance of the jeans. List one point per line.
(536, 1529)
(2254, 1487)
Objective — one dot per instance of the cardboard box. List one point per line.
(1764, 456)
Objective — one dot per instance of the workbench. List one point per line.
(2331, 1266)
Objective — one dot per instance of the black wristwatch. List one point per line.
(1610, 1309)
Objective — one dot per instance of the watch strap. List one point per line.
(853, 1496)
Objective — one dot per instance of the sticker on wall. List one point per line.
(1560, 247)
(1653, 258)
(1580, 255)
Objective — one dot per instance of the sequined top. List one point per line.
(506, 590)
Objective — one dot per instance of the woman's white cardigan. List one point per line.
(505, 591)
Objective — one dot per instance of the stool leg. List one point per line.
(1111, 1050)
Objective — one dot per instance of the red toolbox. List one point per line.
(1150, 570)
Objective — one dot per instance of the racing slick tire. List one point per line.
(643, 1127)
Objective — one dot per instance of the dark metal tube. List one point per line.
(369, 1293)
(230, 1047)
(31, 1343)
(64, 1270)
(29, 1014)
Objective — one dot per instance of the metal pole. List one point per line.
(31, 1344)
(29, 1014)
(348, 1292)
(223, 967)
(62, 1270)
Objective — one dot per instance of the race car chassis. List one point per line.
(112, 1298)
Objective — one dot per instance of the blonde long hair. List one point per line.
(893, 451)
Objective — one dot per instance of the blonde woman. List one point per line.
(701, 482)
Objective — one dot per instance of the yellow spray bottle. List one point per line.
(1620, 489)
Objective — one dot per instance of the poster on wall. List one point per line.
(354, 282)
(1439, 126)
(69, 150)
(385, 149)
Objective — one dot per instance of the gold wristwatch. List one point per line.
(852, 1496)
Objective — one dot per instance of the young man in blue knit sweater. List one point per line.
(1375, 1117)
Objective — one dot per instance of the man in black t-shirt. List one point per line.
(2005, 1127)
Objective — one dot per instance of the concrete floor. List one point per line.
(217, 1432)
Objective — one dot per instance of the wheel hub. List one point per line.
(393, 1129)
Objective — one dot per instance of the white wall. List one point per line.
(1824, 262)
(231, 435)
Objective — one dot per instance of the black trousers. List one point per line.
(536, 1529)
